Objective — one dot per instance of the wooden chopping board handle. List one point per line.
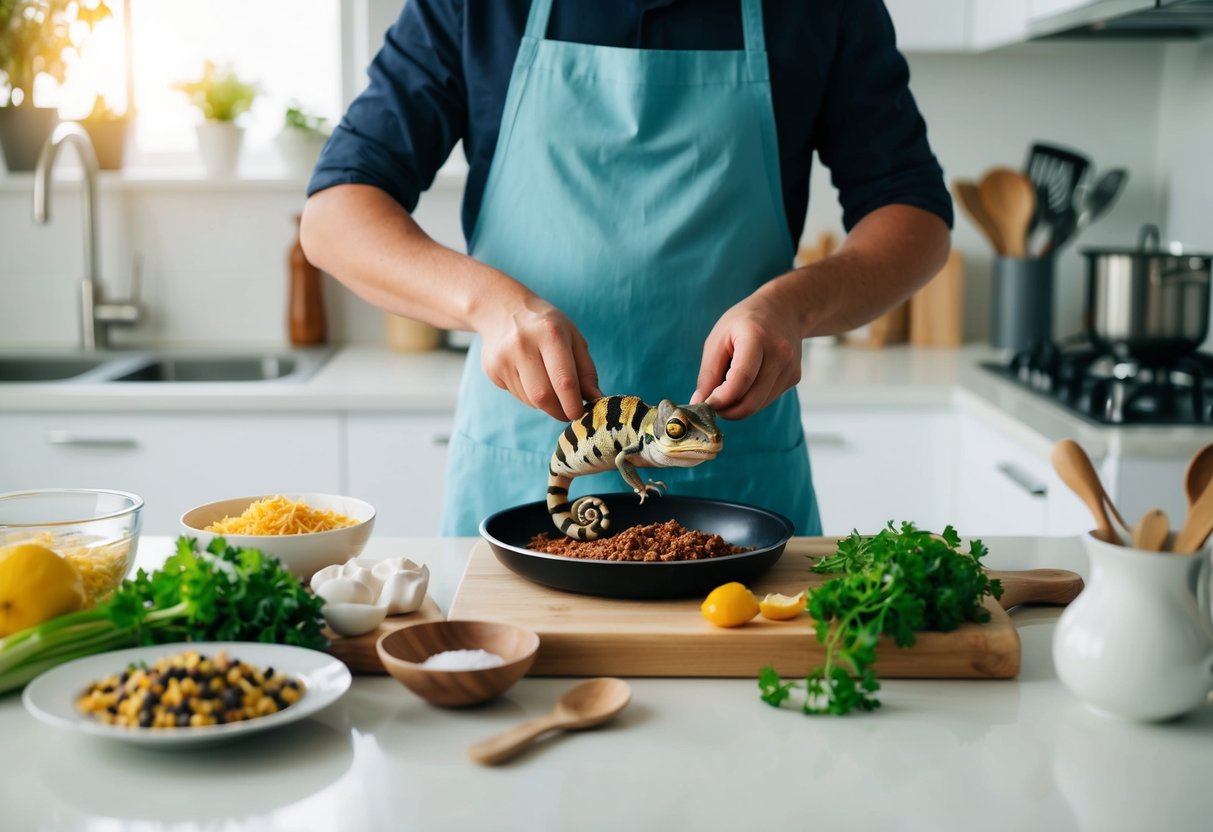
(1037, 586)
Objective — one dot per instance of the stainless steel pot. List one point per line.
(1146, 303)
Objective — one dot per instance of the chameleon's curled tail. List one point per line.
(585, 519)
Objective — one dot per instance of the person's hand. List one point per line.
(750, 357)
(533, 350)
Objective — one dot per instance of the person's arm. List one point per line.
(357, 223)
(895, 206)
(369, 241)
(752, 354)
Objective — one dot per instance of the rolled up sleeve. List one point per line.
(870, 133)
(399, 131)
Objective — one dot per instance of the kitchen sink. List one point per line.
(162, 367)
(252, 368)
(34, 368)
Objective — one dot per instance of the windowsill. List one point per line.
(158, 179)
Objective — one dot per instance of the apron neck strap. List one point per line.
(537, 20)
(751, 23)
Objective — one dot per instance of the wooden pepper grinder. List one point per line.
(305, 306)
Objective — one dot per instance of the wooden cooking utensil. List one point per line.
(1009, 200)
(1151, 531)
(1036, 586)
(1197, 477)
(1075, 469)
(1198, 524)
(582, 706)
(1198, 474)
(969, 196)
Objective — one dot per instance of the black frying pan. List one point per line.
(509, 531)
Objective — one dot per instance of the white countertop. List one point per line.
(363, 378)
(686, 754)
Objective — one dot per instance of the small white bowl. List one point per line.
(301, 554)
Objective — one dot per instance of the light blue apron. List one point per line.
(638, 191)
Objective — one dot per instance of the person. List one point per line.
(638, 174)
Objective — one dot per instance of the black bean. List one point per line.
(269, 671)
(183, 720)
(232, 697)
(145, 719)
(125, 675)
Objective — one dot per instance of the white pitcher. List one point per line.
(1137, 643)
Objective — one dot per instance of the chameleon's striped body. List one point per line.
(625, 433)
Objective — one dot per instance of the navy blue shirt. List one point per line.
(838, 84)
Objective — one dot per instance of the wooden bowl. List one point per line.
(402, 651)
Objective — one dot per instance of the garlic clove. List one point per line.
(405, 590)
(324, 575)
(345, 591)
(363, 576)
(346, 619)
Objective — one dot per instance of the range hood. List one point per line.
(1143, 19)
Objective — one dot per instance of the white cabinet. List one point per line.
(930, 25)
(174, 461)
(872, 466)
(397, 463)
(1000, 487)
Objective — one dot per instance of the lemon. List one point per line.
(778, 607)
(729, 605)
(35, 585)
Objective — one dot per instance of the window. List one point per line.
(290, 48)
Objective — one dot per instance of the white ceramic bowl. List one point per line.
(302, 554)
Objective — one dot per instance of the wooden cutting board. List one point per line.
(584, 636)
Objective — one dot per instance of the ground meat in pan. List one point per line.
(654, 542)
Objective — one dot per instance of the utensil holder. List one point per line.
(1022, 308)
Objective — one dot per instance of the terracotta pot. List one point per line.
(109, 140)
(23, 131)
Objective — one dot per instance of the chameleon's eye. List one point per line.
(675, 429)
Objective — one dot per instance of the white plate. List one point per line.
(51, 697)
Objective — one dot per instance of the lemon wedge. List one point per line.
(778, 607)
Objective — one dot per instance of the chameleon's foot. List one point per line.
(652, 485)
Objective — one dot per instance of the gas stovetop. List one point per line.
(1110, 390)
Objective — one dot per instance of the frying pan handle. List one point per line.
(1148, 232)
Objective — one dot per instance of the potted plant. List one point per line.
(108, 131)
(221, 97)
(301, 139)
(35, 37)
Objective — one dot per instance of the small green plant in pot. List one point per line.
(35, 39)
(221, 97)
(301, 139)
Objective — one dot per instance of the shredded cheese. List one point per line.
(278, 516)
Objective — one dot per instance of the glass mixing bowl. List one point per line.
(93, 529)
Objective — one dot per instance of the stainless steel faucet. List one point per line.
(95, 316)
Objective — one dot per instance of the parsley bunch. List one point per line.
(892, 584)
(222, 594)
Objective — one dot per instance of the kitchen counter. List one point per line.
(686, 754)
(373, 379)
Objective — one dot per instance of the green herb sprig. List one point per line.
(222, 594)
(894, 584)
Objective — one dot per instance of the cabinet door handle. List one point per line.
(1023, 479)
(80, 440)
(825, 440)
(441, 439)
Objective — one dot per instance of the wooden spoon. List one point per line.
(582, 706)
(1009, 200)
(1151, 531)
(1075, 469)
(1198, 524)
(969, 197)
(1198, 475)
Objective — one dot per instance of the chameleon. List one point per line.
(625, 433)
